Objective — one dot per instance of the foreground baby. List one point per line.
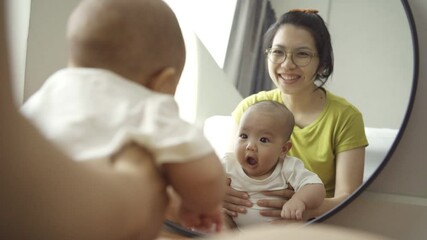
(125, 61)
(260, 163)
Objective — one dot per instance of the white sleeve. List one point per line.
(297, 175)
(171, 138)
(92, 114)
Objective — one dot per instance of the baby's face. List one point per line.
(260, 143)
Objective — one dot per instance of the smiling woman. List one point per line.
(373, 61)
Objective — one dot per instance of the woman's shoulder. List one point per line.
(340, 104)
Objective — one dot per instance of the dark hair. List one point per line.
(314, 24)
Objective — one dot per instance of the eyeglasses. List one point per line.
(301, 58)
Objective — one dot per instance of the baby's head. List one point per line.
(263, 137)
(138, 39)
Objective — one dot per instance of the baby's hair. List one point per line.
(133, 38)
(284, 114)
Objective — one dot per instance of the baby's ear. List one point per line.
(286, 147)
(165, 81)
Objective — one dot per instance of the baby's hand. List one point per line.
(206, 222)
(293, 209)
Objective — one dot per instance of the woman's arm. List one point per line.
(311, 194)
(349, 176)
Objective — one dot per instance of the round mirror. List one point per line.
(375, 63)
(405, 84)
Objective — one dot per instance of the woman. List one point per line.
(329, 133)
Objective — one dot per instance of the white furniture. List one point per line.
(218, 130)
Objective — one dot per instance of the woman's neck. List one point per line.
(305, 102)
(306, 107)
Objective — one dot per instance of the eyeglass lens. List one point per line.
(300, 58)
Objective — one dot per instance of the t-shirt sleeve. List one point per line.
(352, 133)
(297, 175)
(170, 138)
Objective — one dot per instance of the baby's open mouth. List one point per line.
(251, 161)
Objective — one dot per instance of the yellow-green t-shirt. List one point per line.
(339, 128)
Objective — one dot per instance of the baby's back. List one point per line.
(92, 113)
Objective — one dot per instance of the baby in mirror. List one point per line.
(329, 134)
(260, 163)
(125, 61)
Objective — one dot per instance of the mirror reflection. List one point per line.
(373, 64)
(372, 60)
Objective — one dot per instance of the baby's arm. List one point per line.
(309, 196)
(201, 185)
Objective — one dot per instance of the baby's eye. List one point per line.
(264, 140)
(243, 136)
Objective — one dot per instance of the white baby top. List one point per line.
(92, 113)
(291, 171)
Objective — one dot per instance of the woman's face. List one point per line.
(288, 76)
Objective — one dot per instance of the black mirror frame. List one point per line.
(415, 49)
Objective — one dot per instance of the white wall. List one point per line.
(19, 14)
(373, 58)
(373, 55)
(395, 204)
(47, 50)
(204, 90)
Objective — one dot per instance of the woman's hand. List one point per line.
(235, 201)
(275, 205)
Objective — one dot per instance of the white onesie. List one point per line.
(91, 113)
(291, 171)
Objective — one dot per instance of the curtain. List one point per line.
(260, 80)
(245, 61)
